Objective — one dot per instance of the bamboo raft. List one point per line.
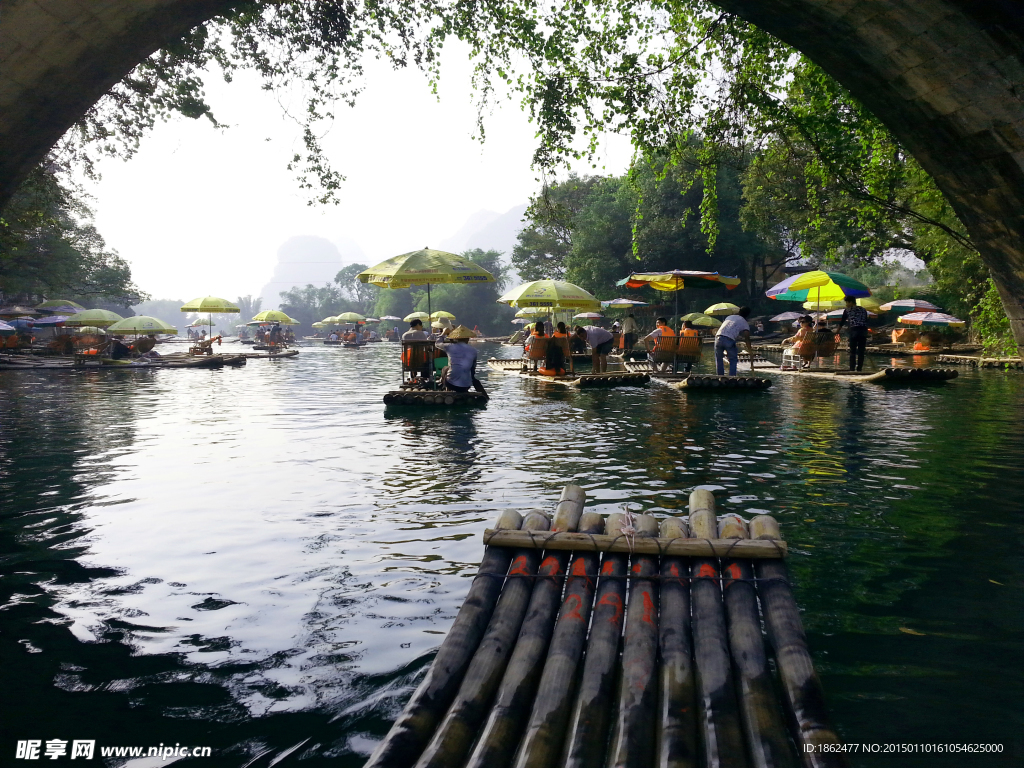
(25, 363)
(425, 397)
(587, 641)
(626, 378)
(738, 382)
(883, 376)
(1015, 363)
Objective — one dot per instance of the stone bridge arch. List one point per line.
(946, 76)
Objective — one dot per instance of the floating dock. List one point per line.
(621, 641)
(1012, 363)
(581, 380)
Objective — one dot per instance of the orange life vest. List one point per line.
(689, 331)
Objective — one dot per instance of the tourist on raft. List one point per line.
(661, 332)
(629, 333)
(732, 330)
(415, 332)
(803, 340)
(857, 318)
(460, 373)
(600, 345)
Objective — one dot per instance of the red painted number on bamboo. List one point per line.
(519, 567)
(648, 616)
(571, 608)
(615, 602)
(706, 571)
(732, 571)
(550, 565)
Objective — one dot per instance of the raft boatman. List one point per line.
(460, 373)
(600, 345)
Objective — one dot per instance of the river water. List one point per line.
(263, 559)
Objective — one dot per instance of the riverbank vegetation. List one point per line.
(772, 159)
(50, 249)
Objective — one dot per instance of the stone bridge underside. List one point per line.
(946, 76)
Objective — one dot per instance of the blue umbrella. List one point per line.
(22, 323)
(52, 320)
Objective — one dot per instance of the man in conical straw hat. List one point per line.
(460, 373)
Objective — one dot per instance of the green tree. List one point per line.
(363, 295)
(49, 248)
(311, 304)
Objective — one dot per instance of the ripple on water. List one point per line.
(268, 550)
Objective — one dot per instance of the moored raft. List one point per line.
(433, 398)
(738, 383)
(1013, 363)
(521, 368)
(591, 641)
(906, 375)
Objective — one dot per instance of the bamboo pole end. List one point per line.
(765, 527)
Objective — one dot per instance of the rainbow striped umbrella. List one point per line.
(818, 286)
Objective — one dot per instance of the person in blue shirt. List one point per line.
(460, 373)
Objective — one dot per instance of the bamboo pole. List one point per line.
(804, 695)
(415, 725)
(760, 714)
(542, 744)
(632, 742)
(677, 745)
(500, 734)
(455, 734)
(720, 724)
(588, 726)
(713, 547)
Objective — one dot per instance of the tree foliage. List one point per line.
(49, 248)
(364, 295)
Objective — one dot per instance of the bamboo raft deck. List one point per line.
(701, 381)
(26, 363)
(1014, 363)
(883, 376)
(626, 378)
(585, 641)
(430, 397)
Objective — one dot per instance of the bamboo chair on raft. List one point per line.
(674, 351)
(418, 362)
(821, 345)
(538, 351)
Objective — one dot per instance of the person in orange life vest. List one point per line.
(688, 329)
(538, 333)
(561, 338)
(554, 358)
(662, 331)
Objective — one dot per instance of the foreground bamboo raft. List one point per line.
(587, 641)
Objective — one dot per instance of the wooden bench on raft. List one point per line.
(591, 641)
(673, 351)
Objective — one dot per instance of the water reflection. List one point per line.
(264, 555)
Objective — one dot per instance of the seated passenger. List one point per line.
(554, 360)
(803, 341)
(689, 330)
(660, 334)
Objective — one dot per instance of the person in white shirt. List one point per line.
(732, 330)
(629, 333)
(600, 345)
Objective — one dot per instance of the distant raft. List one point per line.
(580, 380)
(1004, 363)
(621, 641)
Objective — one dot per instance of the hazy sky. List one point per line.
(203, 211)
